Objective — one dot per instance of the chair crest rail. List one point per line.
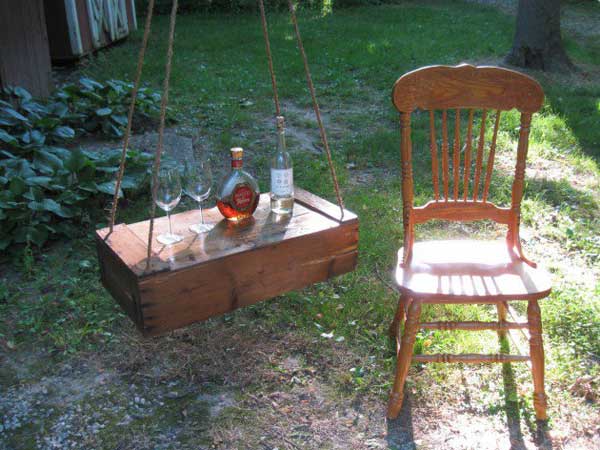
(466, 86)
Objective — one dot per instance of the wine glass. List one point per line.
(198, 184)
(168, 194)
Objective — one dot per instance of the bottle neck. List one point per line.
(281, 140)
(236, 164)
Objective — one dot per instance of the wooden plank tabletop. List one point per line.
(226, 238)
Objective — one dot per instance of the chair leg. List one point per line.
(404, 358)
(536, 348)
(399, 317)
(502, 314)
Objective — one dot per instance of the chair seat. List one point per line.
(465, 270)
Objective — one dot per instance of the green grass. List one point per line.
(220, 64)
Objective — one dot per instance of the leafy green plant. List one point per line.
(45, 188)
(28, 124)
(36, 204)
(103, 107)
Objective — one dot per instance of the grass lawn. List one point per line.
(265, 376)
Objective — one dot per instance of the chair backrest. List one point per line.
(464, 87)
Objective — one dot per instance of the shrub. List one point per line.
(46, 189)
(102, 108)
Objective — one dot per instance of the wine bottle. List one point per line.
(282, 175)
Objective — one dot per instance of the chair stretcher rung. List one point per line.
(473, 325)
(469, 358)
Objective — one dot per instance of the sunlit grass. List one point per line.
(220, 63)
(214, 71)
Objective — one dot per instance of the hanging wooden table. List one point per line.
(167, 287)
(231, 266)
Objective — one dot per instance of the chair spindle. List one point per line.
(470, 358)
(479, 159)
(445, 156)
(468, 145)
(490, 163)
(456, 155)
(434, 159)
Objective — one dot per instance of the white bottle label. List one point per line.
(282, 182)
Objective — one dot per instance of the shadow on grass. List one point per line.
(400, 430)
(400, 433)
(580, 108)
(513, 413)
(511, 400)
(558, 193)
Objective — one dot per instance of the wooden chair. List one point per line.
(465, 271)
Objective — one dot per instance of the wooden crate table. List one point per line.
(231, 266)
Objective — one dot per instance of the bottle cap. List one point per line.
(280, 120)
(237, 152)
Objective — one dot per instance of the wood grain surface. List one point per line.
(233, 265)
(465, 271)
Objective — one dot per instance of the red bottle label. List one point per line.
(236, 163)
(242, 197)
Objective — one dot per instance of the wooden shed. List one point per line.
(79, 27)
(24, 54)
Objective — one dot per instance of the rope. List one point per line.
(269, 56)
(161, 128)
(164, 102)
(311, 88)
(134, 93)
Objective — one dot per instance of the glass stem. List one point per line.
(169, 218)
(201, 213)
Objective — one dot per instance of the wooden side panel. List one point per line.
(126, 246)
(466, 86)
(118, 279)
(322, 206)
(24, 50)
(174, 299)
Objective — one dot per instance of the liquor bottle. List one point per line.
(238, 194)
(282, 175)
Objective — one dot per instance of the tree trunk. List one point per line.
(538, 43)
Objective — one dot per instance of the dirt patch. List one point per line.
(302, 129)
(227, 385)
(362, 177)
(301, 137)
(177, 143)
